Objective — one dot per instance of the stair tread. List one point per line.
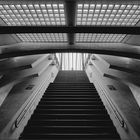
(69, 129)
(88, 111)
(70, 109)
(101, 136)
(59, 95)
(73, 101)
(80, 127)
(74, 114)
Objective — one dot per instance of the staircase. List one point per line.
(70, 109)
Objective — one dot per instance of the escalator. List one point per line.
(70, 109)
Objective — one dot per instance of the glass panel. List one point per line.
(43, 37)
(107, 14)
(33, 14)
(111, 38)
(71, 61)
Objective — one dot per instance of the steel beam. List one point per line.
(44, 1)
(69, 29)
(95, 51)
(70, 12)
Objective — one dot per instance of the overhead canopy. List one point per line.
(107, 27)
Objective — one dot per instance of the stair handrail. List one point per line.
(117, 114)
(28, 106)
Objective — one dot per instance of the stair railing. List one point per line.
(29, 106)
(115, 111)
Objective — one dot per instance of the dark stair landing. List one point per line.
(70, 109)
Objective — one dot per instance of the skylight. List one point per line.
(112, 38)
(43, 37)
(107, 14)
(33, 14)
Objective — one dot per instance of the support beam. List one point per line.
(68, 29)
(71, 39)
(94, 51)
(36, 1)
(70, 12)
(116, 49)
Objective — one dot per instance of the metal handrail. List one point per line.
(21, 116)
(116, 112)
(113, 107)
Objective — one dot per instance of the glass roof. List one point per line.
(43, 37)
(107, 14)
(33, 14)
(113, 38)
(55, 14)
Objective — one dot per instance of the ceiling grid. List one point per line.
(71, 14)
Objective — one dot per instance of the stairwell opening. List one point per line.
(72, 61)
(70, 109)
